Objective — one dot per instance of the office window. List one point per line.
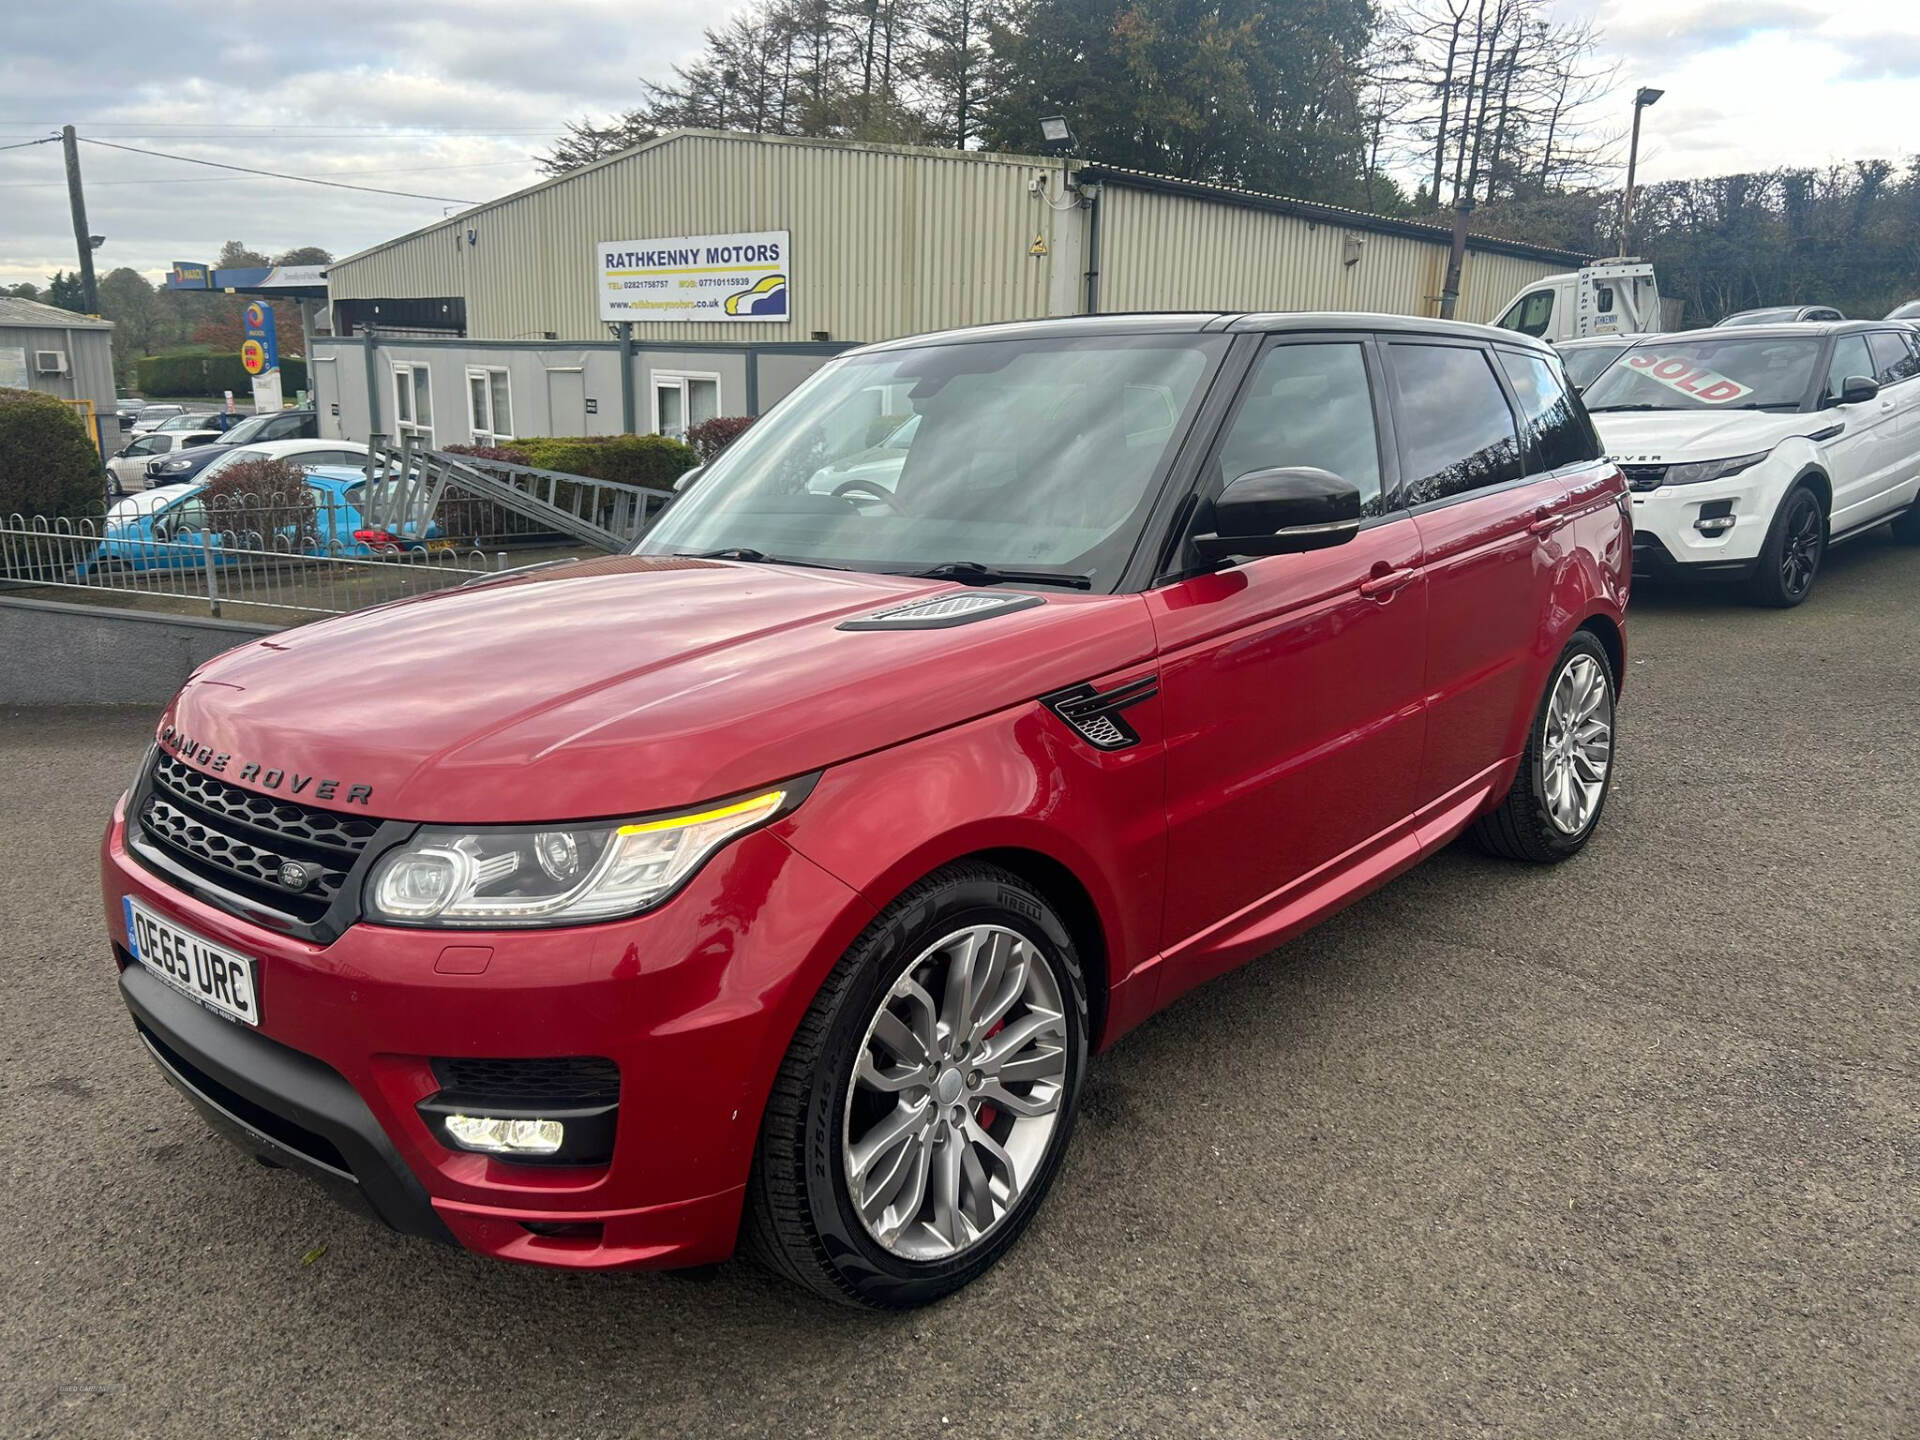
(413, 405)
(683, 400)
(489, 405)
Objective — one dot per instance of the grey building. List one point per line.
(45, 348)
(707, 273)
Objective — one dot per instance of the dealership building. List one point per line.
(705, 274)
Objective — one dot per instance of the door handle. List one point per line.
(1379, 587)
(1545, 522)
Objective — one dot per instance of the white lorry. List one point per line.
(1614, 297)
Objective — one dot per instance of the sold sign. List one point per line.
(1689, 379)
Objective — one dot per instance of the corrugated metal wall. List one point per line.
(885, 242)
(1173, 252)
(891, 242)
(89, 352)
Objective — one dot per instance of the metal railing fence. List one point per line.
(250, 562)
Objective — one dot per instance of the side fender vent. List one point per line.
(943, 612)
(1095, 714)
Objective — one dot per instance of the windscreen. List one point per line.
(1709, 374)
(1587, 363)
(1041, 455)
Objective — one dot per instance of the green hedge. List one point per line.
(48, 464)
(195, 373)
(630, 459)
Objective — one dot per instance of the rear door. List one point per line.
(1867, 458)
(1290, 683)
(1484, 525)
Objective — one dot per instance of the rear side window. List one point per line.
(1459, 431)
(1892, 361)
(1308, 405)
(1559, 431)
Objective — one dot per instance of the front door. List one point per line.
(1290, 684)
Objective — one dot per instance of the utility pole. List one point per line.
(1456, 257)
(76, 198)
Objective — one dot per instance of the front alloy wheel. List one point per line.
(1796, 545)
(955, 1093)
(928, 1095)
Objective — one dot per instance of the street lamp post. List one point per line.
(1643, 97)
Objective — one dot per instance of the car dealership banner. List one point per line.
(722, 278)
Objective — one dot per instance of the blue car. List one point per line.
(169, 529)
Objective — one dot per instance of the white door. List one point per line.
(1867, 455)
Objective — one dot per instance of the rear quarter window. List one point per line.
(1556, 425)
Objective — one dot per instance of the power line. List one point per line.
(243, 179)
(278, 175)
(43, 140)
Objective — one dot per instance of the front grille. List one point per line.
(1644, 477)
(569, 1080)
(241, 841)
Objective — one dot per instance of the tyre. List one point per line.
(1796, 544)
(1906, 526)
(1554, 805)
(928, 1097)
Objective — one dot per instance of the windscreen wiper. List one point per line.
(748, 555)
(1606, 409)
(972, 572)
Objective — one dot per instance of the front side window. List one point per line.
(1851, 359)
(489, 405)
(1559, 434)
(1038, 454)
(1734, 372)
(1459, 432)
(1309, 405)
(148, 445)
(1530, 314)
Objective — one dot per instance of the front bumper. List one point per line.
(695, 1003)
(1669, 543)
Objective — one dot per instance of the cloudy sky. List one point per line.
(453, 100)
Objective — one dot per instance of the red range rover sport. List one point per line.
(773, 884)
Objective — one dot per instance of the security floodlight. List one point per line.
(96, 241)
(1647, 95)
(1057, 134)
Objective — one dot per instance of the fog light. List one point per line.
(496, 1136)
(1716, 517)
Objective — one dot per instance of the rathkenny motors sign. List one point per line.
(720, 278)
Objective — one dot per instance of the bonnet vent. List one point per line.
(942, 612)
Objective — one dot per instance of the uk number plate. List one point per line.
(209, 973)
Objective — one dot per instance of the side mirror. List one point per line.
(686, 480)
(1281, 512)
(1858, 389)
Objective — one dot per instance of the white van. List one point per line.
(1615, 297)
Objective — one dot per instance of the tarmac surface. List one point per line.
(1630, 1147)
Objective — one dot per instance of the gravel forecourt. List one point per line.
(1630, 1147)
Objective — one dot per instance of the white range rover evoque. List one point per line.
(1750, 451)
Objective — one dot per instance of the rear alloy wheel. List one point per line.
(1556, 799)
(928, 1097)
(1796, 544)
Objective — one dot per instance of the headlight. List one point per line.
(554, 874)
(1703, 470)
